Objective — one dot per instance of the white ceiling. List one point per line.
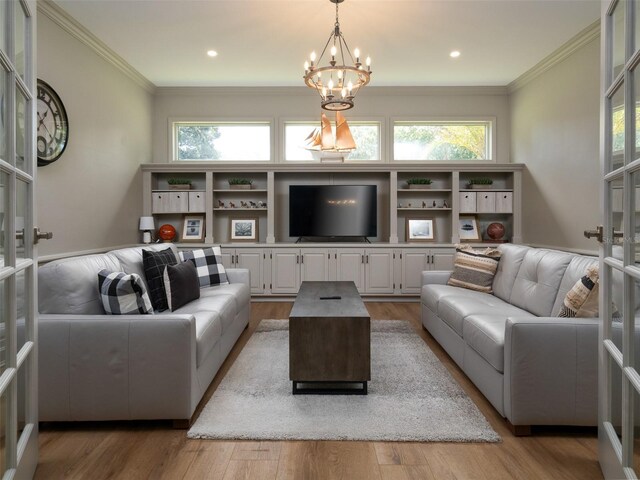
(265, 42)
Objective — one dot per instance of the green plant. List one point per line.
(240, 181)
(480, 181)
(179, 181)
(419, 181)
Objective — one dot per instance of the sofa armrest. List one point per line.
(107, 367)
(437, 277)
(239, 275)
(551, 371)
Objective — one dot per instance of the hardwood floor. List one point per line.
(153, 450)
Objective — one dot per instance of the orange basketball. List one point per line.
(167, 232)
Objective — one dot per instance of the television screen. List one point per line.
(333, 211)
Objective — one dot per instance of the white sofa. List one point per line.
(95, 366)
(534, 368)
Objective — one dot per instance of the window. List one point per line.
(442, 141)
(365, 134)
(222, 141)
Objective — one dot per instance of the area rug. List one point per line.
(411, 396)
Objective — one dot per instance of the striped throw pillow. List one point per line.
(575, 301)
(474, 269)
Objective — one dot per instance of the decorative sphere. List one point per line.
(495, 231)
(167, 232)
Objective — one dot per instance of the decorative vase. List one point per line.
(495, 231)
(180, 187)
(240, 187)
(419, 186)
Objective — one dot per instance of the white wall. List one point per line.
(91, 196)
(555, 132)
(302, 102)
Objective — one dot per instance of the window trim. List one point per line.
(173, 145)
(282, 137)
(492, 136)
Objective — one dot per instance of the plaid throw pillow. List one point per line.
(208, 262)
(123, 294)
(154, 264)
(576, 299)
(474, 269)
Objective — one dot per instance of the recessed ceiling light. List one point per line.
(212, 53)
(454, 54)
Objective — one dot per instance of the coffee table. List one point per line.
(329, 340)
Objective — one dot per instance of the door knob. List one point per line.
(598, 233)
(38, 235)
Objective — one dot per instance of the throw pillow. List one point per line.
(576, 298)
(208, 262)
(181, 284)
(123, 294)
(154, 264)
(474, 269)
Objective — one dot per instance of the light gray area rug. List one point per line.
(411, 396)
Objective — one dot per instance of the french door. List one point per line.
(18, 308)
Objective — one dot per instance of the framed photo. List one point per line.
(420, 230)
(193, 228)
(243, 229)
(468, 229)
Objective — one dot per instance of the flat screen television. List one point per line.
(333, 210)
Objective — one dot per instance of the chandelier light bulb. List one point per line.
(331, 84)
(324, 92)
(313, 56)
(350, 87)
(344, 92)
(306, 66)
(339, 74)
(334, 50)
(368, 61)
(356, 52)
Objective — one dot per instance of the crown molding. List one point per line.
(581, 39)
(79, 32)
(305, 91)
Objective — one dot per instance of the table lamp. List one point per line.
(147, 226)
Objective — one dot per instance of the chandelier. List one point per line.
(340, 80)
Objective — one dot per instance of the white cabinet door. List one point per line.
(504, 202)
(314, 265)
(196, 202)
(252, 260)
(486, 202)
(228, 257)
(414, 262)
(350, 267)
(285, 271)
(379, 271)
(442, 260)
(178, 202)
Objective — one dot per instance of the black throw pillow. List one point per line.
(154, 264)
(181, 284)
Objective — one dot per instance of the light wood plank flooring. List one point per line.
(153, 450)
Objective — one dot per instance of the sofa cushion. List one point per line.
(239, 291)
(574, 272)
(123, 293)
(208, 262)
(510, 262)
(70, 285)
(474, 269)
(224, 305)
(181, 284)
(536, 285)
(208, 333)
(432, 294)
(454, 309)
(131, 258)
(154, 266)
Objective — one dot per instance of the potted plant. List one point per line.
(419, 183)
(240, 183)
(482, 182)
(179, 184)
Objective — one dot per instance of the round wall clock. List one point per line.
(52, 125)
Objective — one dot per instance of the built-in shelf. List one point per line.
(425, 209)
(486, 190)
(240, 209)
(423, 190)
(227, 190)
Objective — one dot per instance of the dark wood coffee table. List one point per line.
(329, 340)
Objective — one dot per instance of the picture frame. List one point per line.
(468, 229)
(193, 228)
(243, 229)
(420, 229)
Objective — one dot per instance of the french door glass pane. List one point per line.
(22, 204)
(634, 237)
(615, 397)
(3, 433)
(21, 306)
(617, 196)
(19, 24)
(618, 50)
(4, 211)
(3, 114)
(22, 399)
(617, 128)
(3, 14)
(4, 312)
(21, 138)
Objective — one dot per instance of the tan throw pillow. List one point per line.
(474, 269)
(577, 297)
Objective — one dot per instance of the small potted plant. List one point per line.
(419, 183)
(477, 183)
(240, 183)
(179, 184)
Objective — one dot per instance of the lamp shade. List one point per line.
(146, 223)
